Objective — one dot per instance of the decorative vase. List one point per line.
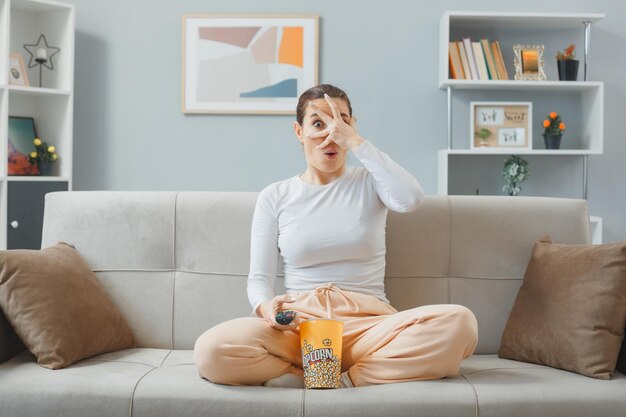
(44, 167)
(552, 141)
(568, 69)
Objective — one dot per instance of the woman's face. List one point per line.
(312, 123)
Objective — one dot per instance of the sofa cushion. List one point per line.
(176, 389)
(54, 302)
(512, 388)
(160, 382)
(570, 311)
(90, 387)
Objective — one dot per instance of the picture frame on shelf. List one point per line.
(247, 63)
(20, 144)
(501, 125)
(17, 70)
(529, 62)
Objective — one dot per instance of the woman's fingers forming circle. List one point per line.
(333, 107)
(325, 143)
(318, 134)
(326, 118)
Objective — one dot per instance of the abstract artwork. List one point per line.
(247, 64)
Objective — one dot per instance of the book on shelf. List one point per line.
(456, 68)
(467, 42)
(481, 64)
(464, 62)
(491, 66)
(502, 74)
(476, 60)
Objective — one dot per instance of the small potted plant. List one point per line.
(43, 156)
(484, 135)
(515, 171)
(567, 64)
(553, 130)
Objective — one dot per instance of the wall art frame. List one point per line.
(248, 63)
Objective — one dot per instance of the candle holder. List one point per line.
(41, 54)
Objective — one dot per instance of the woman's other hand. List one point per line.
(337, 130)
(270, 308)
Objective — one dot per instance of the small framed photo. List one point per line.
(17, 70)
(21, 135)
(247, 63)
(529, 62)
(501, 125)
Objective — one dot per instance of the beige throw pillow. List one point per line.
(57, 307)
(570, 311)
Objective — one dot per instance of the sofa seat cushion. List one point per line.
(90, 387)
(160, 382)
(150, 382)
(512, 388)
(176, 386)
(176, 389)
(449, 397)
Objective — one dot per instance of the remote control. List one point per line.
(285, 317)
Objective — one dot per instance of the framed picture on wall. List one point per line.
(501, 125)
(17, 70)
(247, 63)
(21, 135)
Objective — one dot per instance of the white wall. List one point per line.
(131, 135)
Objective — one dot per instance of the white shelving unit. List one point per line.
(585, 98)
(51, 106)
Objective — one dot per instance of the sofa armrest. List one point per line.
(10, 343)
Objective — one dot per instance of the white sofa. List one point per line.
(176, 263)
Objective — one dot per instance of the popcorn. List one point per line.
(321, 342)
(323, 374)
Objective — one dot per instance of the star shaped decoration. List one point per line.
(50, 52)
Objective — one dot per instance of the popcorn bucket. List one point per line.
(320, 343)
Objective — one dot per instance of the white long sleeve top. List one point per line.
(329, 233)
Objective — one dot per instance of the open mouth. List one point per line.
(330, 155)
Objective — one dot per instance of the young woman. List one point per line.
(328, 224)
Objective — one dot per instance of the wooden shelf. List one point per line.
(35, 178)
(38, 91)
(523, 20)
(38, 6)
(521, 85)
(499, 151)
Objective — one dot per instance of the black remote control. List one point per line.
(285, 317)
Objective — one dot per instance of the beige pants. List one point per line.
(380, 344)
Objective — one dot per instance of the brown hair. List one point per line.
(318, 92)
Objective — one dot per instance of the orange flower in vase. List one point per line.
(553, 130)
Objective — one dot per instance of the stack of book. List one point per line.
(476, 60)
